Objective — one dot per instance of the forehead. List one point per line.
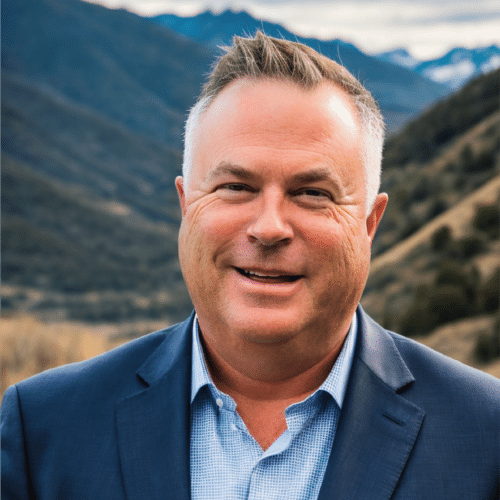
(326, 104)
(272, 116)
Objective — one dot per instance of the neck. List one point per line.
(275, 375)
(265, 379)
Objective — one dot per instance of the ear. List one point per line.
(373, 220)
(179, 184)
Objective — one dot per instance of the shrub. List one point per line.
(466, 157)
(460, 182)
(487, 347)
(489, 293)
(470, 246)
(454, 274)
(400, 196)
(435, 305)
(421, 190)
(410, 227)
(417, 320)
(481, 162)
(441, 238)
(487, 220)
(11, 270)
(437, 207)
(450, 167)
(448, 303)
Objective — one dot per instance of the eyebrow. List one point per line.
(320, 174)
(314, 175)
(230, 169)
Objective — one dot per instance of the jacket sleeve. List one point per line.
(15, 476)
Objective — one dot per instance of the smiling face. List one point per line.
(274, 243)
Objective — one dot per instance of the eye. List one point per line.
(236, 187)
(314, 193)
(235, 191)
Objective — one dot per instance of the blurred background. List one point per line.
(94, 96)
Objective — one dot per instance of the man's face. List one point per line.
(275, 243)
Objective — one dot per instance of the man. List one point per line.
(280, 386)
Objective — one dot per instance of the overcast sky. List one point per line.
(427, 28)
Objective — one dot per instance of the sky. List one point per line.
(426, 28)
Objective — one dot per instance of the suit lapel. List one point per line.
(377, 427)
(153, 425)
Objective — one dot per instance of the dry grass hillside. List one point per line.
(441, 285)
(439, 159)
(435, 273)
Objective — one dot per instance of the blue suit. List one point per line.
(415, 425)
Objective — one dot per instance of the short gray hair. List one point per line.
(265, 57)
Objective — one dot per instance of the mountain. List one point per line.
(93, 105)
(399, 57)
(111, 62)
(454, 68)
(401, 93)
(96, 98)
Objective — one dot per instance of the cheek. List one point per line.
(206, 234)
(342, 248)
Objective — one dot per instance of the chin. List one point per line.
(269, 327)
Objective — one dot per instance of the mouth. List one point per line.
(268, 277)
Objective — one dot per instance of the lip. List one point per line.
(268, 276)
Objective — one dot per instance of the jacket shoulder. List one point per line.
(113, 373)
(448, 377)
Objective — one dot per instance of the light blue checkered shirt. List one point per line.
(228, 464)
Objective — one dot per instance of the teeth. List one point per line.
(263, 275)
(278, 278)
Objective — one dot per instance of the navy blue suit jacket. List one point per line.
(415, 425)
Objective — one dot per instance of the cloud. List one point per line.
(468, 17)
(427, 28)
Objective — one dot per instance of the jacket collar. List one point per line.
(377, 350)
(378, 427)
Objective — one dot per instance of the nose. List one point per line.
(270, 226)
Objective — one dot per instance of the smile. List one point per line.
(263, 277)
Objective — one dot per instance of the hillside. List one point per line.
(435, 274)
(67, 256)
(438, 159)
(121, 66)
(442, 284)
(93, 105)
(96, 98)
(59, 138)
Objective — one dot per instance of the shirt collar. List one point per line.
(335, 384)
(200, 376)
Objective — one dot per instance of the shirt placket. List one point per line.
(272, 477)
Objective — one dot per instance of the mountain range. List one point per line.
(453, 69)
(401, 93)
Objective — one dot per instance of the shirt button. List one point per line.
(219, 402)
(233, 427)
